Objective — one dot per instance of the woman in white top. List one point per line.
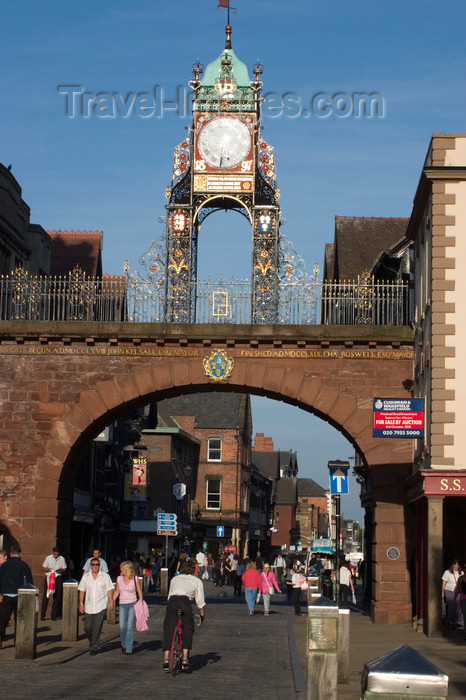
(449, 580)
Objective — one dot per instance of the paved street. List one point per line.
(233, 654)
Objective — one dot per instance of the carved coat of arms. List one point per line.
(218, 366)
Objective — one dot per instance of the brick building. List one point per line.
(312, 505)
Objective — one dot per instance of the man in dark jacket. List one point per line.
(14, 574)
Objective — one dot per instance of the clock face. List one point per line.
(224, 142)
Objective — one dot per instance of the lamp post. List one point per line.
(338, 484)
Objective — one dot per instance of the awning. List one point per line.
(323, 546)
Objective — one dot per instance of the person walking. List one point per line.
(346, 582)
(128, 589)
(238, 582)
(280, 567)
(14, 574)
(449, 582)
(297, 579)
(54, 566)
(96, 554)
(95, 598)
(268, 584)
(252, 584)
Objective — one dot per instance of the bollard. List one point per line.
(163, 581)
(111, 614)
(343, 645)
(70, 615)
(313, 591)
(26, 622)
(322, 634)
(402, 674)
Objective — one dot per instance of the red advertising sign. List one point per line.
(139, 471)
(230, 549)
(401, 418)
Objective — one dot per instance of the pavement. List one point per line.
(233, 653)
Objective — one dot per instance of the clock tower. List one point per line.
(224, 163)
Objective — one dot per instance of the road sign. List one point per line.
(167, 524)
(338, 481)
(220, 531)
(166, 519)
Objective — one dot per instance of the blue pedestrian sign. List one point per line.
(220, 531)
(338, 481)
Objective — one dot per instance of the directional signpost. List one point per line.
(167, 525)
(338, 485)
(220, 531)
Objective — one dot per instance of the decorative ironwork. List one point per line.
(301, 299)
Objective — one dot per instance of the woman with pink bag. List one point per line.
(268, 583)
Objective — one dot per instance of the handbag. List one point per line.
(258, 597)
(303, 585)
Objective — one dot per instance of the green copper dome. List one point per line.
(214, 70)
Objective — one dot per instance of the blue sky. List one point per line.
(111, 174)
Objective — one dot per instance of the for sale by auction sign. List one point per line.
(400, 418)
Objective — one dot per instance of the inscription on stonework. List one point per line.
(298, 354)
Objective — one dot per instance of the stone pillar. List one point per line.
(434, 565)
(164, 581)
(70, 611)
(26, 623)
(322, 633)
(343, 646)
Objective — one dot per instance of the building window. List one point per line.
(213, 494)
(214, 450)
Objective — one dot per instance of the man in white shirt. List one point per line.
(97, 554)
(95, 598)
(53, 564)
(183, 589)
(346, 583)
(200, 558)
(280, 567)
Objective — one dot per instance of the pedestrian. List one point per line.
(210, 566)
(252, 584)
(346, 582)
(147, 575)
(96, 554)
(128, 589)
(14, 574)
(280, 567)
(200, 558)
(54, 566)
(95, 598)
(460, 595)
(268, 585)
(449, 581)
(259, 562)
(238, 582)
(183, 589)
(297, 579)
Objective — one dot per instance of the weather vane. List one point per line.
(226, 3)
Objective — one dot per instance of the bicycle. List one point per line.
(176, 650)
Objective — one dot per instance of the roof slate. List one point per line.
(221, 410)
(359, 243)
(309, 488)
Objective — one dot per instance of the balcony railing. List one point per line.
(79, 298)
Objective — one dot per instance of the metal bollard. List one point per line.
(163, 581)
(111, 614)
(26, 622)
(322, 634)
(70, 615)
(343, 645)
(402, 674)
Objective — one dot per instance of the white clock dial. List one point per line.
(224, 142)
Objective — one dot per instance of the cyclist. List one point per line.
(183, 589)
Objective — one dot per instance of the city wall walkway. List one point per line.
(233, 654)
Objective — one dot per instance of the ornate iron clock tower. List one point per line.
(224, 163)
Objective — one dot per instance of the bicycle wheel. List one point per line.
(176, 652)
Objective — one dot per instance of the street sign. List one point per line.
(339, 481)
(167, 524)
(220, 531)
